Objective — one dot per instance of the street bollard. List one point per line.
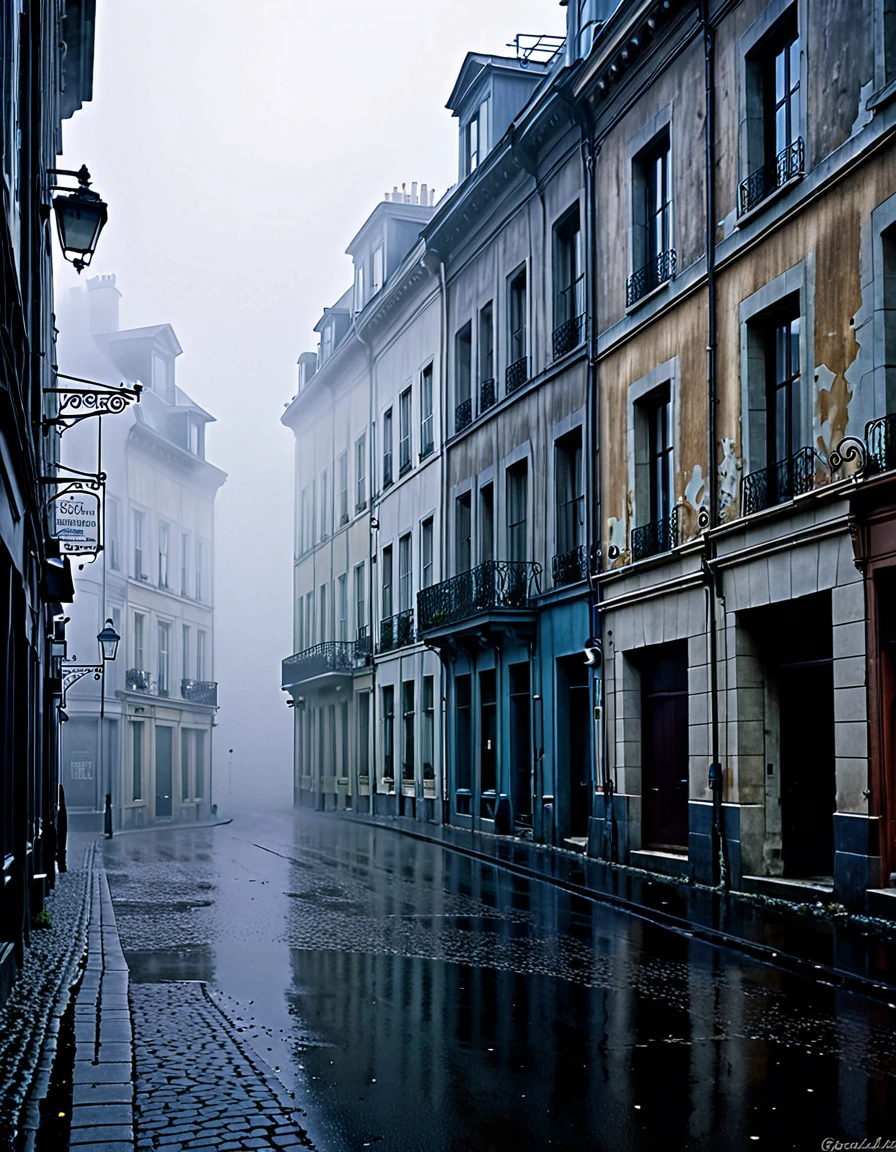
(108, 817)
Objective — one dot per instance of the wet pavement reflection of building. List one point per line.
(417, 999)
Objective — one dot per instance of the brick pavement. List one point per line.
(199, 1087)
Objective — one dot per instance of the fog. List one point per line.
(239, 148)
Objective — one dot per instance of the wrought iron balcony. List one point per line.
(771, 176)
(652, 539)
(880, 441)
(494, 585)
(776, 485)
(200, 691)
(335, 657)
(656, 271)
(463, 415)
(397, 631)
(139, 680)
(570, 567)
(488, 394)
(569, 335)
(516, 374)
(363, 646)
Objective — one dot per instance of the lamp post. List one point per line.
(108, 640)
(80, 217)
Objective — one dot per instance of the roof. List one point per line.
(475, 64)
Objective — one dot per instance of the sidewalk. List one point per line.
(851, 952)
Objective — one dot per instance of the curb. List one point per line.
(170, 828)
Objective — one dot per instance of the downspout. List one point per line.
(443, 406)
(709, 518)
(371, 553)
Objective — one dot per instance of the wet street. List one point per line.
(419, 1000)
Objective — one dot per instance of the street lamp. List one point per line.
(80, 217)
(108, 640)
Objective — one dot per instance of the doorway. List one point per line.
(664, 746)
(163, 772)
(520, 744)
(573, 745)
(488, 727)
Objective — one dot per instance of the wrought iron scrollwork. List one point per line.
(771, 176)
(655, 272)
(496, 584)
(659, 536)
(790, 477)
(463, 415)
(849, 449)
(77, 404)
(569, 567)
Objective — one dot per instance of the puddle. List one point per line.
(163, 965)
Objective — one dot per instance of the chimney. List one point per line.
(424, 195)
(103, 299)
(414, 199)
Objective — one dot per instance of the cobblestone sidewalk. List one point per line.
(199, 1087)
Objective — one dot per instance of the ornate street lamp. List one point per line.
(80, 217)
(108, 641)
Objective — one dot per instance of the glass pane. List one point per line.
(781, 424)
(780, 77)
(781, 134)
(795, 64)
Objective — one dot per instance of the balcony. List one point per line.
(139, 680)
(333, 659)
(516, 374)
(488, 394)
(770, 177)
(200, 692)
(880, 441)
(463, 415)
(397, 631)
(363, 646)
(652, 539)
(570, 567)
(497, 594)
(568, 335)
(778, 484)
(655, 272)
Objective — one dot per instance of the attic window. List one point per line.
(326, 343)
(194, 432)
(476, 138)
(163, 377)
(378, 269)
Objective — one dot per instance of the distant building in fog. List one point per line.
(154, 579)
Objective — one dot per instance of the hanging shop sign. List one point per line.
(74, 511)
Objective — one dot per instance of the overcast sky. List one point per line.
(239, 147)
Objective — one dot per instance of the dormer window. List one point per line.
(379, 268)
(195, 438)
(163, 378)
(326, 343)
(476, 138)
(359, 287)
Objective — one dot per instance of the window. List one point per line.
(379, 265)
(387, 582)
(185, 563)
(343, 727)
(360, 598)
(326, 343)
(464, 729)
(305, 519)
(195, 437)
(428, 749)
(388, 733)
(462, 534)
(486, 523)
(463, 369)
(405, 574)
(164, 534)
(517, 498)
(517, 369)
(570, 493)
(404, 432)
(342, 473)
(324, 633)
(407, 712)
(569, 284)
(113, 522)
(653, 257)
(309, 619)
(342, 607)
(426, 542)
(199, 764)
(774, 144)
(361, 473)
(185, 742)
(359, 287)
(657, 528)
(475, 139)
(139, 631)
(201, 646)
(163, 377)
(364, 734)
(426, 414)
(200, 568)
(164, 643)
(137, 754)
(487, 395)
(139, 544)
(387, 448)
(186, 650)
(324, 489)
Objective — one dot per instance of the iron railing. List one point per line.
(139, 680)
(516, 374)
(569, 567)
(363, 646)
(333, 656)
(200, 691)
(880, 441)
(656, 271)
(463, 415)
(652, 539)
(767, 179)
(397, 631)
(776, 485)
(488, 394)
(496, 584)
(568, 335)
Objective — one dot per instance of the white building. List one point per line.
(154, 579)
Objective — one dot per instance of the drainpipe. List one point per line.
(371, 553)
(709, 518)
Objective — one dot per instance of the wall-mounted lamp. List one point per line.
(108, 641)
(80, 217)
(374, 524)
